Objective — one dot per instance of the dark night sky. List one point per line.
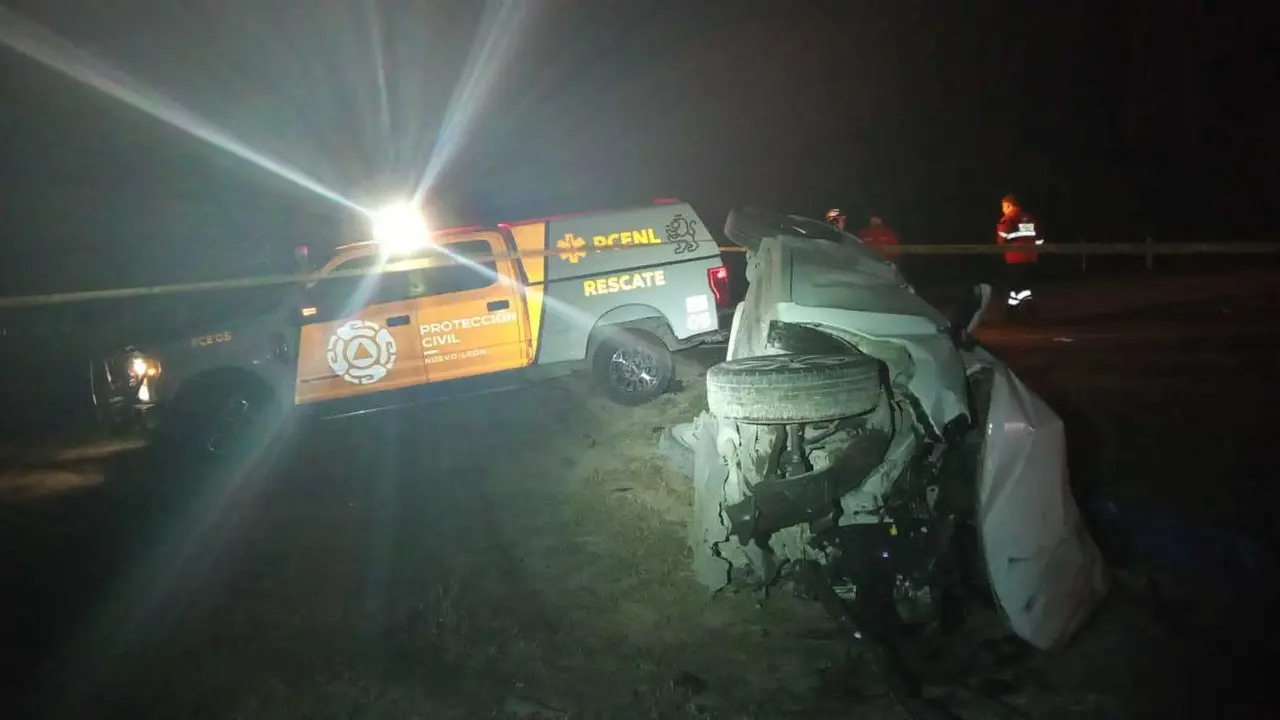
(925, 112)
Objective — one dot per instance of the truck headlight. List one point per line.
(142, 367)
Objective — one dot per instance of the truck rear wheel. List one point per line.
(633, 366)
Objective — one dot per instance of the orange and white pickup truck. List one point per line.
(470, 310)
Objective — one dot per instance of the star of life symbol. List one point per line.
(361, 352)
(571, 247)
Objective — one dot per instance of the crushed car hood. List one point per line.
(849, 291)
(850, 276)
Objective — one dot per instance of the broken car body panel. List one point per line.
(851, 292)
(709, 531)
(1044, 569)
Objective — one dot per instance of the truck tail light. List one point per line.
(718, 279)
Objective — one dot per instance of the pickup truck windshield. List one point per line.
(449, 269)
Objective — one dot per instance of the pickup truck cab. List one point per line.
(474, 310)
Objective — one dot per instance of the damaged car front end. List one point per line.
(854, 435)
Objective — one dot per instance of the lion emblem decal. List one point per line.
(684, 233)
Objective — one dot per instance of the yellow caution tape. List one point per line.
(1238, 248)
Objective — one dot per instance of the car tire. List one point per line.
(633, 366)
(794, 388)
(218, 420)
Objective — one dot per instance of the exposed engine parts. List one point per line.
(796, 473)
(855, 441)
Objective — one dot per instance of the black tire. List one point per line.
(219, 419)
(633, 366)
(794, 388)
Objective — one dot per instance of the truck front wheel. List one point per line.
(633, 366)
(218, 418)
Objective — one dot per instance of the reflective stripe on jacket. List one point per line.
(1018, 229)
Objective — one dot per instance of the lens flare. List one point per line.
(380, 68)
(44, 46)
(494, 41)
(400, 228)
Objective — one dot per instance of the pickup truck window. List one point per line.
(476, 269)
(427, 275)
(344, 295)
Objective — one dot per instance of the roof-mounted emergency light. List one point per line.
(400, 228)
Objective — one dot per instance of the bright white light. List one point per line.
(144, 393)
(400, 228)
(138, 367)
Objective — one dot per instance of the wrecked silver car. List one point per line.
(854, 434)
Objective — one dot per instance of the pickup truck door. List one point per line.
(472, 316)
(359, 335)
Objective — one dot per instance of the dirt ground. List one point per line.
(492, 554)
(523, 555)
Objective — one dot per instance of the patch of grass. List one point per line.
(436, 562)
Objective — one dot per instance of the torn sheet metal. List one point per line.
(1047, 573)
(708, 530)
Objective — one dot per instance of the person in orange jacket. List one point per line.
(881, 237)
(1016, 231)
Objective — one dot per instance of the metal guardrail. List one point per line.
(1147, 249)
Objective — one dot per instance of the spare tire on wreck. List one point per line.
(794, 387)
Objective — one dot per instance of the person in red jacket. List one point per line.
(881, 237)
(1016, 231)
